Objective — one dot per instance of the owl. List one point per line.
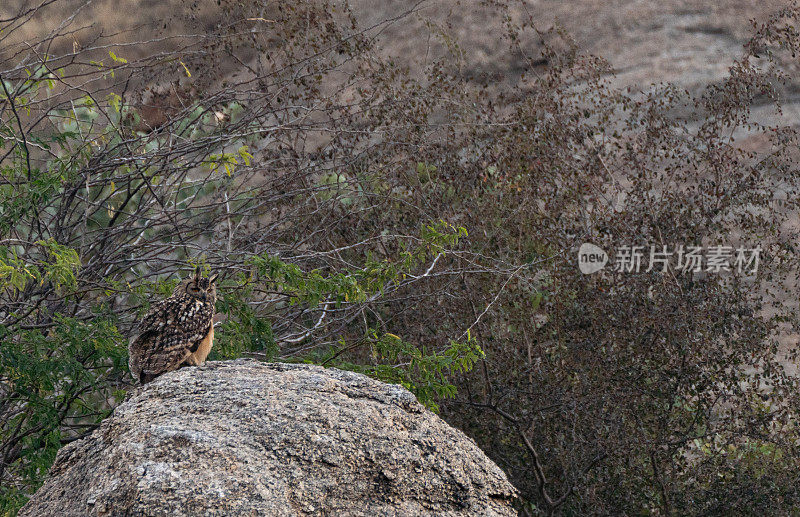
(176, 332)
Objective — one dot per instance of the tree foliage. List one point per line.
(417, 227)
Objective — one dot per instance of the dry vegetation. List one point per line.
(416, 224)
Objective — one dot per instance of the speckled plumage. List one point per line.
(175, 332)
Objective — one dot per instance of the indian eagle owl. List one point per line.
(176, 332)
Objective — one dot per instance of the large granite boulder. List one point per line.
(250, 438)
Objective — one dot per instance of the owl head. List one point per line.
(198, 287)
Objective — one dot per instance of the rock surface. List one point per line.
(249, 438)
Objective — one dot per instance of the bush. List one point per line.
(410, 226)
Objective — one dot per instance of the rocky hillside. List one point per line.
(248, 438)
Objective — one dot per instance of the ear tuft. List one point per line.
(197, 273)
(212, 278)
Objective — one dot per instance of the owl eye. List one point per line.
(192, 288)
